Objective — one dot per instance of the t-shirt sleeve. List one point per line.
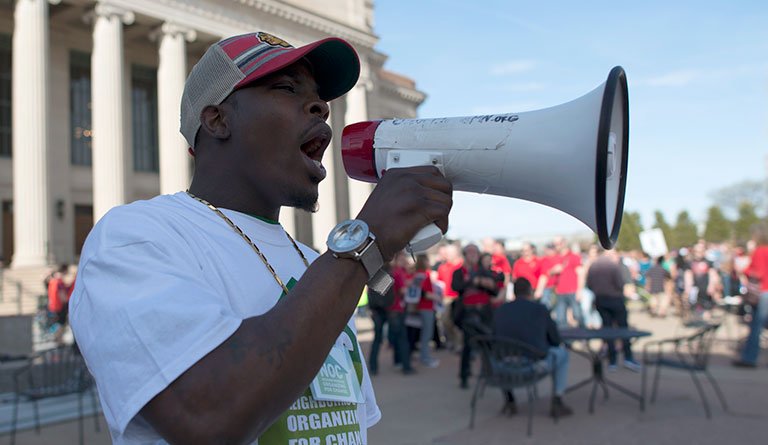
(142, 315)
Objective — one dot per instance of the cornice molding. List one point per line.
(205, 16)
(312, 20)
(408, 94)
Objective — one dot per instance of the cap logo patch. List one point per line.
(272, 40)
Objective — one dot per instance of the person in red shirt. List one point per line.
(757, 269)
(58, 300)
(445, 272)
(422, 283)
(545, 289)
(565, 272)
(499, 261)
(527, 266)
(398, 334)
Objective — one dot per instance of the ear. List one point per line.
(215, 121)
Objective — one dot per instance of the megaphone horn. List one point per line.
(572, 157)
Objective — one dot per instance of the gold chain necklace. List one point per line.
(251, 243)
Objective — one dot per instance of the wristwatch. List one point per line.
(353, 239)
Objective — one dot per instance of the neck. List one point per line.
(224, 197)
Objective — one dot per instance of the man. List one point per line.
(656, 280)
(701, 282)
(453, 261)
(58, 301)
(757, 273)
(398, 331)
(606, 280)
(199, 316)
(500, 262)
(528, 321)
(565, 273)
(545, 289)
(477, 290)
(527, 266)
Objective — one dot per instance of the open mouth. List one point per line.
(315, 147)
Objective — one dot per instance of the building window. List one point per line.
(83, 225)
(80, 107)
(5, 96)
(144, 103)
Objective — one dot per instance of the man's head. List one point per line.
(471, 255)
(523, 289)
(560, 244)
(253, 113)
(452, 253)
(528, 250)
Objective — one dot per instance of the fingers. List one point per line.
(404, 201)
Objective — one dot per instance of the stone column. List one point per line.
(108, 107)
(357, 110)
(288, 220)
(325, 218)
(171, 74)
(30, 104)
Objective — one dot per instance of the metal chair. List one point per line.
(690, 353)
(53, 373)
(508, 364)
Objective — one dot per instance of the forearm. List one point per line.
(235, 392)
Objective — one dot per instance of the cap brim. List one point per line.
(335, 63)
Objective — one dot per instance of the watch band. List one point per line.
(371, 257)
(378, 278)
(381, 282)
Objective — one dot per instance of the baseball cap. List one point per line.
(235, 62)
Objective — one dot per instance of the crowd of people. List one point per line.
(458, 292)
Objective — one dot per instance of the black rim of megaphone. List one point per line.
(616, 83)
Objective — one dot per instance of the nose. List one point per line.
(319, 107)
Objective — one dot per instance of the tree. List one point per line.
(685, 233)
(718, 228)
(731, 197)
(743, 225)
(661, 223)
(629, 234)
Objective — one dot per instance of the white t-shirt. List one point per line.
(163, 282)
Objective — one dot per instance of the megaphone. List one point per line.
(572, 157)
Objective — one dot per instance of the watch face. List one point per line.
(348, 236)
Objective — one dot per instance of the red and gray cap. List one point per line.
(235, 62)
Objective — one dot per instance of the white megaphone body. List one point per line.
(572, 157)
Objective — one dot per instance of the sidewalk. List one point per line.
(430, 408)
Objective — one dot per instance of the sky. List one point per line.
(698, 89)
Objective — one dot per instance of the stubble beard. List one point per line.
(307, 201)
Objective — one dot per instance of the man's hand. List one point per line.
(404, 201)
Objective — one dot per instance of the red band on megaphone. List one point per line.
(357, 150)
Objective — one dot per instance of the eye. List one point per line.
(285, 86)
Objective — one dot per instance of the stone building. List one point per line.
(89, 114)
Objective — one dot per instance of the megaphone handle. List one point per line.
(425, 238)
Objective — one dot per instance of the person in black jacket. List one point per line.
(472, 311)
(529, 322)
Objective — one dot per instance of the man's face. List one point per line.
(279, 132)
(527, 251)
(472, 254)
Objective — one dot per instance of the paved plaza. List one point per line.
(430, 408)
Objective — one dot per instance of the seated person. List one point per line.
(528, 321)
